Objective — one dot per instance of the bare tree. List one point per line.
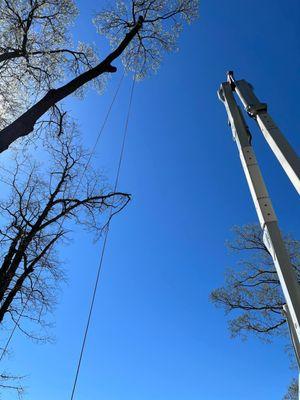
(293, 391)
(139, 31)
(11, 383)
(36, 51)
(162, 22)
(252, 290)
(38, 215)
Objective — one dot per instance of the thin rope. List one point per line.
(94, 293)
(16, 324)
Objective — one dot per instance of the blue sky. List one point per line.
(154, 333)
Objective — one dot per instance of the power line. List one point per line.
(87, 326)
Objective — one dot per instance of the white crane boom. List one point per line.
(266, 215)
(284, 152)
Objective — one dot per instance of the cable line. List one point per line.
(16, 322)
(90, 311)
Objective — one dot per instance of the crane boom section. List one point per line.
(264, 208)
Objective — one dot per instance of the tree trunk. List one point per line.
(11, 295)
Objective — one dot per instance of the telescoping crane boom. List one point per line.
(285, 154)
(265, 212)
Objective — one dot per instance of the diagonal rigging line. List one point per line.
(87, 326)
(16, 322)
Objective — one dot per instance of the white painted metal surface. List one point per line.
(283, 151)
(265, 212)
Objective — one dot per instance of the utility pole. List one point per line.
(268, 221)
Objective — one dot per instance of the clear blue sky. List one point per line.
(154, 333)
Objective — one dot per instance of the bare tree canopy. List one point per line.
(162, 23)
(38, 215)
(11, 383)
(37, 52)
(252, 291)
(293, 391)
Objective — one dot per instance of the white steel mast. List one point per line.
(265, 212)
(284, 152)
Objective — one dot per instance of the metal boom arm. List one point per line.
(266, 215)
(284, 152)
